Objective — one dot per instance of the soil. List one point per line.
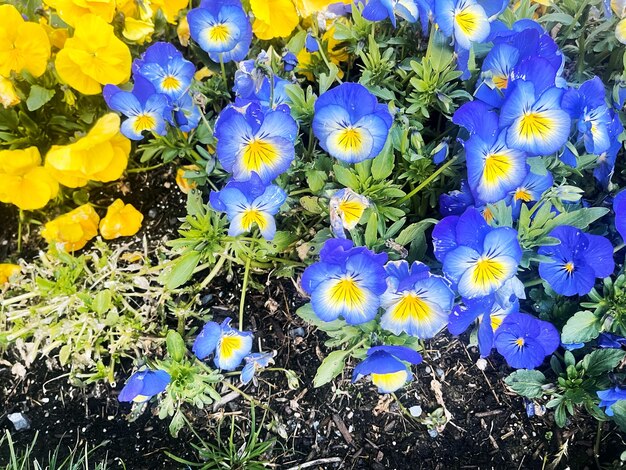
(340, 425)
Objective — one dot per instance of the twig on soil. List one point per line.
(343, 429)
(312, 463)
(484, 414)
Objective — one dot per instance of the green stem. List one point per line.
(20, 222)
(223, 67)
(246, 396)
(147, 168)
(242, 301)
(619, 247)
(577, 15)
(216, 269)
(534, 282)
(428, 180)
(596, 447)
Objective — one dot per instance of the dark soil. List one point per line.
(337, 426)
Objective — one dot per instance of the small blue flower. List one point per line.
(605, 165)
(611, 396)
(610, 340)
(248, 204)
(350, 123)
(187, 115)
(222, 29)
(290, 61)
(145, 109)
(457, 201)
(255, 140)
(166, 68)
(378, 10)
(229, 345)
(143, 385)
(311, 43)
(346, 282)
(254, 363)
(477, 258)
(387, 367)
(416, 301)
(577, 261)
(525, 341)
(530, 191)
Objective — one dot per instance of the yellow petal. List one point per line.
(73, 230)
(19, 161)
(7, 271)
(138, 30)
(31, 191)
(121, 220)
(73, 11)
(273, 18)
(620, 31)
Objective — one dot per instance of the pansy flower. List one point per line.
(166, 68)
(577, 261)
(145, 109)
(464, 20)
(143, 385)
(619, 207)
(222, 29)
(346, 208)
(346, 282)
(609, 397)
(254, 363)
(187, 114)
(493, 168)
(455, 202)
(350, 123)
(416, 301)
(530, 191)
(378, 10)
(229, 345)
(525, 341)
(248, 204)
(387, 366)
(605, 164)
(607, 340)
(536, 122)
(477, 258)
(255, 140)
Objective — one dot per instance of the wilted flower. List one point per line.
(72, 231)
(93, 57)
(24, 45)
(121, 220)
(8, 95)
(346, 282)
(101, 155)
(387, 367)
(7, 271)
(254, 363)
(143, 385)
(184, 184)
(346, 208)
(229, 345)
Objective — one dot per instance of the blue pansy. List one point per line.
(255, 140)
(378, 10)
(493, 168)
(248, 79)
(290, 61)
(609, 397)
(346, 282)
(464, 20)
(387, 367)
(530, 191)
(311, 43)
(416, 302)
(346, 209)
(187, 114)
(536, 122)
(166, 68)
(477, 258)
(143, 385)
(610, 340)
(222, 29)
(145, 109)
(248, 204)
(254, 363)
(577, 261)
(587, 105)
(619, 207)
(605, 165)
(350, 123)
(228, 345)
(455, 202)
(525, 341)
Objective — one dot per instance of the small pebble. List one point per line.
(20, 421)
(152, 213)
(415, 411)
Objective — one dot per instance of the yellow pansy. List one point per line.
(170, 8)
(73, 11)
(121, 220)
(336, 53)
(57, 36)
(7, 271)
(94, 56)
(23, 45)
(72, 231)
(8, 95)
(23, 181)
(101, 155)
(620, 31)
(184, 184)
(138, 31)
(273, 18)
(183, 31)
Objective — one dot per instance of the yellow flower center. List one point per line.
(352, 211)
(497, 166)
(350, 139)
(501, 81)
(347, 292)
(258, 154)
(534, 125)
(219, 33)
(170, 82)
(496, 321)
(520, 342)
(488, 272)
(144, 122)
(390, 382)
(229, 345)
(523, 195)
(253, 216)
(569, 267)
(411, 307)
(466, 20)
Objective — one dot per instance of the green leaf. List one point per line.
(602, 360)
(311, 204)
(181, 270)
(371, 231)
(176, 347)
(330, 368)
(38, 96)
(64, 354)
(580, 218)
(582, 327)
(619, 414)
(411, 232)
(102, 302)
(316, 179)
(383, 164)
(346, 177)
(527, 383)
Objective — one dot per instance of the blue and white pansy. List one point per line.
(143, 385)
(249, 204)
(477, 258)
(222, 29)
(257, 140)
(228, 345)
(346, 208)
(350, 123)
(387, 367)
(346, 282)
(378, 10)
(416, 301)
(254, 363)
